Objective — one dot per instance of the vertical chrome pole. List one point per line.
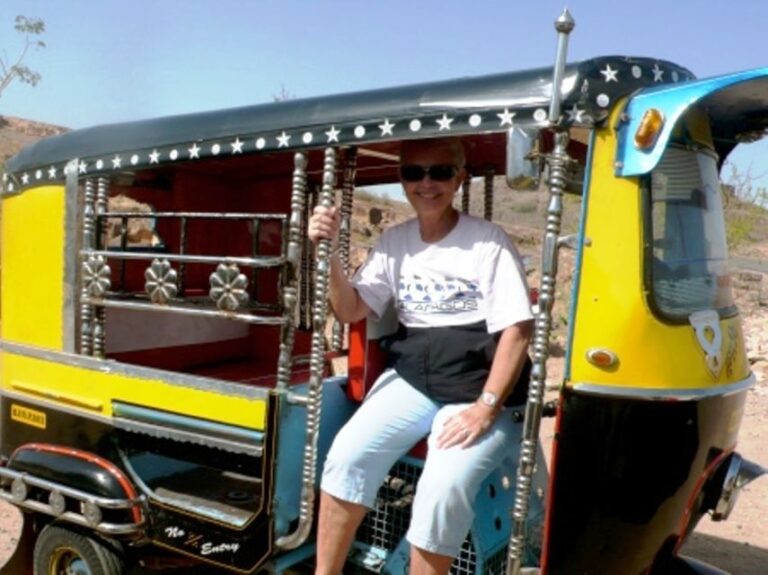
(89, 235)
(316, 368)
(345, 234)
(558, 162)
(293, 255)
(123, 247)
(73, 222)
(101, 204)
(564, 26)
(488, 197)
(255, 250)
(465, 186)
(183, 222)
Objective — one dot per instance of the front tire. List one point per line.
(61, 551)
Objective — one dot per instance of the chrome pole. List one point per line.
(345, 234)
(313, 401)
(558, 162)
(293, 257)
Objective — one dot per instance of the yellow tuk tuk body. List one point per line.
(164, 363)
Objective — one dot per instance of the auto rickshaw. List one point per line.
(166, 394)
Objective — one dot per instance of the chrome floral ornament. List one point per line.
(161, 281)
(96, 276)
(229, 287)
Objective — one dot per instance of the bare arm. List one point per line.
(465, 427)
(345, 302)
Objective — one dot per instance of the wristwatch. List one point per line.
(488, 398)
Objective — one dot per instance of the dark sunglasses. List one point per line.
(437, 173)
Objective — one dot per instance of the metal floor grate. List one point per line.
(387, 523)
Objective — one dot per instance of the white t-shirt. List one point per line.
(472, 274)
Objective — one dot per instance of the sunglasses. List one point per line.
(436, 173)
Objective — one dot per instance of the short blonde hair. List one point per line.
(455, 145)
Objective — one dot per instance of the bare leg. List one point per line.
(426, 563)
(336, 528)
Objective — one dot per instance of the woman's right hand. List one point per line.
(324, 225)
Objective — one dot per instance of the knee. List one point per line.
(446, 494)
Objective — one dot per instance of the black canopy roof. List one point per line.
(454, 107)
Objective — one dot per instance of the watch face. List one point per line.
(489, 398)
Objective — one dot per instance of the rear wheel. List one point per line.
(61, 551)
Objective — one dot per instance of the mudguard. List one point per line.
(74, 468)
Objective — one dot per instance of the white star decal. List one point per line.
(117, 163)
(574, 114)
(82, 168)
(38, 174)
(386, 127)
(194, 151)
(658, 73)
(25, 178)
(333, 134)
(10, 186)
(505, 118)
(610, 74)
(154, 157)
(283, 140)
(51, 172)
(237, 146)
(444, 123)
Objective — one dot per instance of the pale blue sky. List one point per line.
(109, 60)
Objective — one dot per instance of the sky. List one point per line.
(109, 61)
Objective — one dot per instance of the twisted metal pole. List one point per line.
(89, 243)
(345, 234)
(465, 187)
(99, 240)
(558, 163)
(313, 400)
(293, 256)
(488, 197)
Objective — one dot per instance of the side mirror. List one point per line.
(522, 165)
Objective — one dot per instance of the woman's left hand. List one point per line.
(464, 428)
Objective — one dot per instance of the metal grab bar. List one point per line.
(317, 364)
(558, 162)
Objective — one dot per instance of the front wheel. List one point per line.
(61, 551)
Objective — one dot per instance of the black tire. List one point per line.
(61, 551)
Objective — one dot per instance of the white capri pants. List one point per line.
(391, 420)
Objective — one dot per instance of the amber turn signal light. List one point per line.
(649, 129)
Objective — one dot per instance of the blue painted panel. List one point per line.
(737, 104)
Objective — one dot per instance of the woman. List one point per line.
(460, 293)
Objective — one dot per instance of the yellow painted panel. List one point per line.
(95, 390)
(612, 311)
(32, 241)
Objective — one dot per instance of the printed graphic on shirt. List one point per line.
(443, 296)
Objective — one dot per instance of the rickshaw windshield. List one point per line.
(689, 270)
